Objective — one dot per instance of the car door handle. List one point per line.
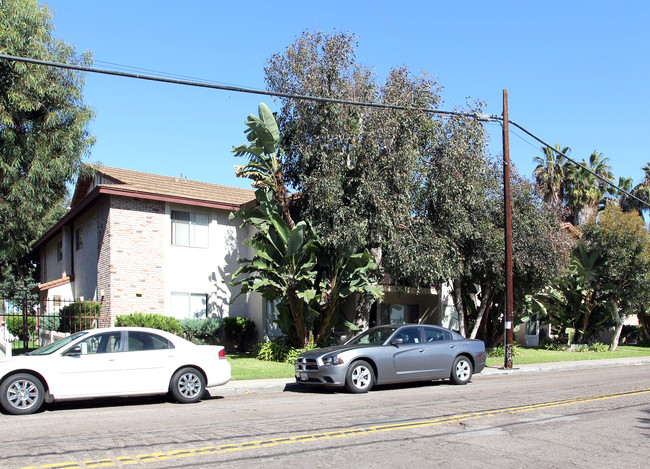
(421, 350)
(452, 346)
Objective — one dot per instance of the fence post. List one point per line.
(25, 322)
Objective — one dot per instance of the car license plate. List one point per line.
(304, 376)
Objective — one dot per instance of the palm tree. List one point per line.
(550, 175)
(585, 190)
(642, 191)
(624, 201)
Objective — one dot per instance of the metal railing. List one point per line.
(29, 322)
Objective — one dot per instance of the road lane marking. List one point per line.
(256, 444)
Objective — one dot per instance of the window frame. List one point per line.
(189, 314)
(198, 231)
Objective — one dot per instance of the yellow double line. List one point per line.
(209, 450)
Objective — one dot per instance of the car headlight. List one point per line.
(332, 360)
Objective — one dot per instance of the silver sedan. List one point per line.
(393, 354)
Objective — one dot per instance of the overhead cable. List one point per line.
(238, 89)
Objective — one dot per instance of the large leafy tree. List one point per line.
(607, 278)
(416, 189)
(291, 266)
(43, 132)
(354, 166)
(624, 244)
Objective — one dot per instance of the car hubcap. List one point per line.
(462, 370)
(361, 377)
(189, 385)
(22, 394)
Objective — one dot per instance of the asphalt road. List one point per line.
(572, 418)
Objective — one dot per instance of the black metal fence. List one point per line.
(29, 322)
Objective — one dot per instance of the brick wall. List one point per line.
(103, 255)
(134, 235)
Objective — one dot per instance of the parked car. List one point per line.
(117, 361)
(393, 354)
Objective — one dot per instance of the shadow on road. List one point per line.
(304, 388)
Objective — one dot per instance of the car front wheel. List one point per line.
(461, 371)
(22, 394)
(187, 385)
(360, 377)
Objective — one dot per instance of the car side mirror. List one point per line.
(397, 341)
(76, 350)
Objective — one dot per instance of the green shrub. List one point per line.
(202, 331)
(277, 350)
(51, 323)
(15, 326)
(240, 332)
(554, 344)
(79, 316)
(154, 321)
(596, 347)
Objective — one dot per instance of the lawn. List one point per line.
(533, 355)
(245, 366)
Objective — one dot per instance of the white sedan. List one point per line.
(117, 361)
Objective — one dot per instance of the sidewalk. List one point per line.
(281, 384)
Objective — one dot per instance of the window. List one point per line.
(190, 229)
(107, 342)
(409, 335)
(433, 335)
(398, 314)
(532, 326)
(59, 251)
(271, 328)
(189, 305)
(141, 341)
(78, 239)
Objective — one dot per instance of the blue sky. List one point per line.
(576, 71)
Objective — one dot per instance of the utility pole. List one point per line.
(509, 319)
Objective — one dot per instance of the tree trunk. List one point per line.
(619, 327)
(486, 299)
(362, 312)
(644, 321)
(459, 305)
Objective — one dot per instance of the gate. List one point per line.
(28, 322)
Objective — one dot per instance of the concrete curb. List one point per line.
(254, 386)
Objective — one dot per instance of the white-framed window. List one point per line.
(189, 305)
(190, 229)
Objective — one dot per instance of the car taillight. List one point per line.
(222, 353)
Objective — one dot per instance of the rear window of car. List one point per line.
(432, 335)
(140, 341)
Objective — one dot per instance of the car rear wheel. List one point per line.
(461, 371)
(360, 377)
(22, 394)
(187, 385)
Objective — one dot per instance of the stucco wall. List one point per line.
(85, 256)
(209, 270)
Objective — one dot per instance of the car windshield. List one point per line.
(374, 336)
(54, 346)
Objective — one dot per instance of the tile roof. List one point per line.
(154, 184)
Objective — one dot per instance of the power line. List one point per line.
(238, 89)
